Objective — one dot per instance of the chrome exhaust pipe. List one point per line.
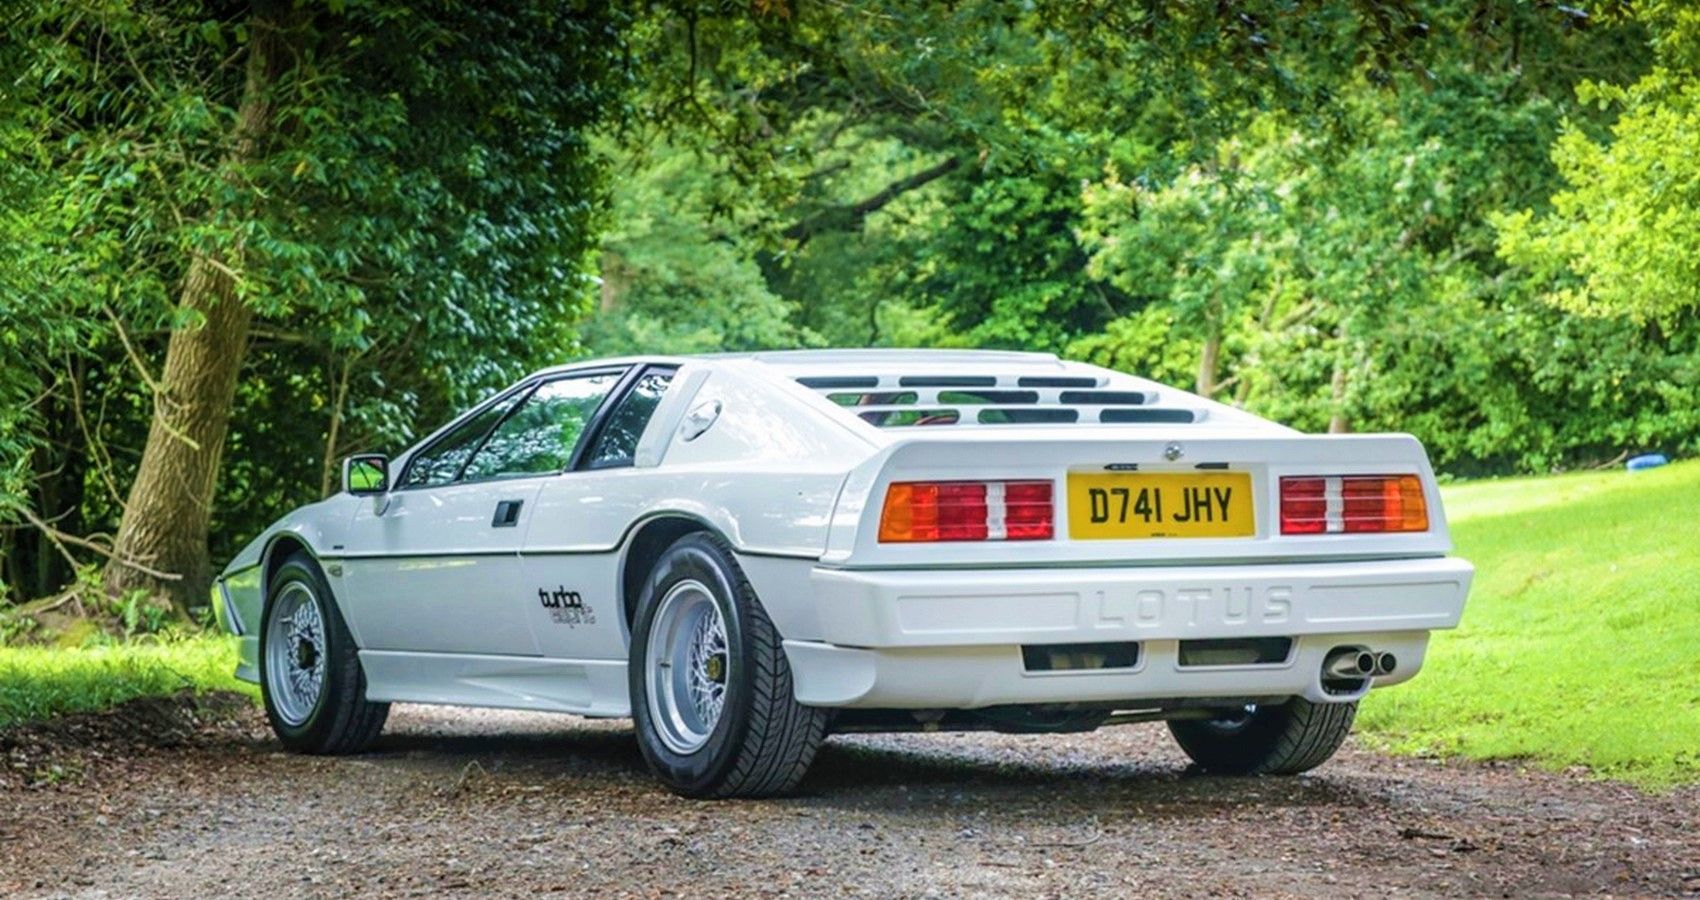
(1385, 663)
(1349, 663)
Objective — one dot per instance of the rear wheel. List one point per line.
(310, 676)
(712, 699)
(1295, 737)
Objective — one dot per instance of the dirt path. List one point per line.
(168, 799)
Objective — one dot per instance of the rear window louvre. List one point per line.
(896, 400)
(1147, 416)
(898, 418)
(820, 382)
(1105, 398)
(1055, 381)
(874, 398)
(948, 381)
(1027, 416)
(988, 398)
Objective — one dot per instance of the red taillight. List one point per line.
(1352, 504)
(1027, 510)
(966, 511)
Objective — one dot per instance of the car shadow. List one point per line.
(845, 770)
(580, 752)
(850, 771)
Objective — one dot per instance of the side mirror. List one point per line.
(366, 474)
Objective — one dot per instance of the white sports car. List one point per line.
(747, 553)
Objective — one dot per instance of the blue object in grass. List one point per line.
(1646, 461)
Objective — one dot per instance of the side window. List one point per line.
(440, 462)
(618, 441)
(540, 436)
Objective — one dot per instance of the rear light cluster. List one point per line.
(1352, 504)
(919, 511)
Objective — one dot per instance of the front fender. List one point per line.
(238, 596)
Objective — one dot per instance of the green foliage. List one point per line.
(140, 613)
(85, 614)
(1197, 248)
(1319, 215)
(1012, 105)
(1147, 342)
(38, 683)
(676, 278)
(1624, 237)
(1004, 268)
(416, 227)
(1577, 645)
(16, 628)
(1363, 210)
(1619, 239)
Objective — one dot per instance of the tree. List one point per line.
(161, 539)
(1003, 109)
(356, 178)
(676, 277)
(1623, 236)
(1292, 206)
(1199, 246)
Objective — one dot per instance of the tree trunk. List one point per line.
(330, 470)
(1338, 423)
(1208, 362)
(170, 503)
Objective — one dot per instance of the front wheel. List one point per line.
(310, 676)
(711, 690)
(1294, 737)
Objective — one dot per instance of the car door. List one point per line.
(434, 565)
(571, 555)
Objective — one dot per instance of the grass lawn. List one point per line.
(38, 682)
(1580, 643)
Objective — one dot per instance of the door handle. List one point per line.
(507, 514)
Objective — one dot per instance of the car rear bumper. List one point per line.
(954, 638)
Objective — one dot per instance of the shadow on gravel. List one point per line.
(854, 771)
(845, 771)
(527, 749)
(568, 752)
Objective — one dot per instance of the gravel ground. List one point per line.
(191, 798)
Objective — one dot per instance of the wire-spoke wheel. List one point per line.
(688, 667)
(295, 653)
(310, 676)
(712, 699)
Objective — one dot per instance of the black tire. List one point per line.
(763, 740)
(1295, 737)
(341, 720)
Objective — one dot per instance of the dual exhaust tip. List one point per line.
(1355, 662)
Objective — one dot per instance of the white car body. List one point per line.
(447, 607)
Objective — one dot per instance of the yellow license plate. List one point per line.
(1124, 505)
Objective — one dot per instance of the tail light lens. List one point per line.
(922, 511)
(1349, 504)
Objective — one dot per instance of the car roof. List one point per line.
(892, 356)
(796, 362)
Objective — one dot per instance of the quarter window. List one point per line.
(540, 436)
(617, 443)
(441, 462)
